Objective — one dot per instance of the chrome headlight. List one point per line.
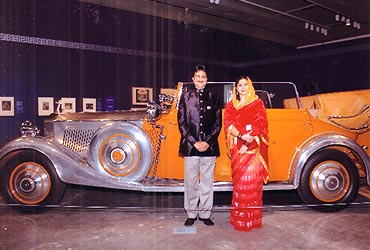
(153, 111)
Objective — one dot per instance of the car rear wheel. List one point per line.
(29, 182)
(329, 181)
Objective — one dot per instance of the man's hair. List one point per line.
(199, 67)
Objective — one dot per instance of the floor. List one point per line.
(107, 219)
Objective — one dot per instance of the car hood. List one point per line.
(127, 115)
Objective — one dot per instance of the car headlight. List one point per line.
(153, 111)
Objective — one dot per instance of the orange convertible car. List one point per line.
(318, 145)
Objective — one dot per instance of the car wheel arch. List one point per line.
(326, 140)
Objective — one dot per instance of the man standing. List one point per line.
(200, 120)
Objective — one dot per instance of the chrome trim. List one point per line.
(363, 127)
(179, 94)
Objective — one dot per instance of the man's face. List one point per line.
(200, 79)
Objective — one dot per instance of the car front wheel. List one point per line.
(329, 181)
(29, 182)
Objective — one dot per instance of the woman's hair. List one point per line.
(236, 84)
(199, 67)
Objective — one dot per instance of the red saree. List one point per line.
(249, 167)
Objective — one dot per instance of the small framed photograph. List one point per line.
(141, 96)
(68, 105)
(7, 106)
(88, 105)
(45, 105)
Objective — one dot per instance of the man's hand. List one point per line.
(201, 146)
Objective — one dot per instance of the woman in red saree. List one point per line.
(246, 131)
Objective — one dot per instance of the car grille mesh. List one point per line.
(153, 134)
(78, 140)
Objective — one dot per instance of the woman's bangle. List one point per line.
(240, 137)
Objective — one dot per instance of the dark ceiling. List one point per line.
(297, 23)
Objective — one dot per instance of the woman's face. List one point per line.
(242, 87)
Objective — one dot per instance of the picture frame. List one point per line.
(141, 95)
(45, 105)
(7, 106)
(68, 105)
(88, 104)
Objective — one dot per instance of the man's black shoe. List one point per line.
(189, 221)
(208, 221)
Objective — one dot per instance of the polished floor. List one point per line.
(111, 219)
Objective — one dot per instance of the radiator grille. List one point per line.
(153, 134)
(78, 140)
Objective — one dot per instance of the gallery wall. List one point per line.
(69, 49)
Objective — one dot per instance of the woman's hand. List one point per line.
(243, 149)
(247, 137)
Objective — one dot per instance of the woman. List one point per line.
(246, 136)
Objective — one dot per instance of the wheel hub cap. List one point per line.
(27, 185)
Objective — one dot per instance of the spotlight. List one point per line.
(317, 29)
(348, 22)
(306, 25)
(343, 19)
(311, 27)
(337, 18)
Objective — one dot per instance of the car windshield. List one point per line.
(272, 93)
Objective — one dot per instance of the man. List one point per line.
(199, 120)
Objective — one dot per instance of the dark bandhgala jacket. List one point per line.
(199, 119)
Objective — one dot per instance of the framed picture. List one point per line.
(6, 106)
(168, 91)
(88, 105)
(141, 96)
(68, 105)
(45, 105)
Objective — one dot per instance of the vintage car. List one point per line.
(318, 145)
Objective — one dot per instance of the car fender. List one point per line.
(310, 146)
(68, 171)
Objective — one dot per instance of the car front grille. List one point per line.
(78, 140)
